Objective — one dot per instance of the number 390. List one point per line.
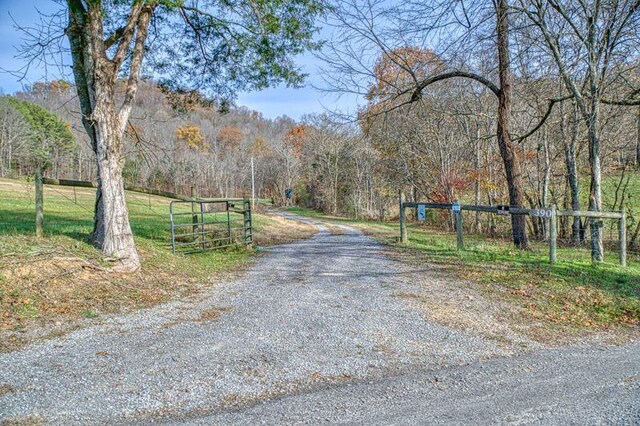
(541, 213)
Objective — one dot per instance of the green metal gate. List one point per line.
(201, 225)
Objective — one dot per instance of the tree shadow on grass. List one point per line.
(524, 267)
(17, 222)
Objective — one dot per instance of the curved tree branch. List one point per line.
(621, 102)
(546, 115)
(453, 74)
(136, 66)
(127, 35)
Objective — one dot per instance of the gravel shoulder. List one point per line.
(316, 330)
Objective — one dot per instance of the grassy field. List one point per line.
(609, 185)
(572, 294)
(56, 280)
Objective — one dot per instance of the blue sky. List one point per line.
(271, 102)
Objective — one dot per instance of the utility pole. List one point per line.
(253, 186)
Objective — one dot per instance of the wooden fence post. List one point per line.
(202, 233)
(460, 240)
(623, 239)
(553, 235)
(39, 203)
(403, 219)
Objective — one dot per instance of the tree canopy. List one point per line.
(219, 47)
(47, 131)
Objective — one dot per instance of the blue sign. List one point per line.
(455, 207)
(422, 212)
(288, 193)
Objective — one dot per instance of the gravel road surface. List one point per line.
(315, 331)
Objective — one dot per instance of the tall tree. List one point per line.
(588, 41)
(14, 136)
(378, 28)
(221, 46)
(507, 148)
(47, 132)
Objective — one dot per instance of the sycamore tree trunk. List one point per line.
(95, 75)
(593, 122)
(507, 149)
(112, 231)
(572, 176)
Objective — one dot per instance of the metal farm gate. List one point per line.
(200, 225)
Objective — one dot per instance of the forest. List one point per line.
(439, 150)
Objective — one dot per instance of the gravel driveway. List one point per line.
(315, 331)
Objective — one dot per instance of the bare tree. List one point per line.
(587, 40)
(370, 28)
(14, 136)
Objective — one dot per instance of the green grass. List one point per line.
(88, 313)
(69, 220)
(572, 291)
(609, 184)
(70, 215)
(62, 277)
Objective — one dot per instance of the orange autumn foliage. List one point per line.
(295, 138)
(395, 72)
(400, 67)
(230, 137)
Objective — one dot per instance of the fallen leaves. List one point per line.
(6, 388)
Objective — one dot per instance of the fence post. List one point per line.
(460, 240)
(553, 235)
(39, 203)
(623, 239)
(403, 219)
(194, 214)
(173, 228)
(202, 233)
(229, 235)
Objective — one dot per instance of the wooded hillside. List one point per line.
(439, 149)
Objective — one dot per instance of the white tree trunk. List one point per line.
(112, 229)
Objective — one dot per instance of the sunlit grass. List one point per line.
(62, 277)
(573, 290)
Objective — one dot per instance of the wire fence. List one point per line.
(70, 211)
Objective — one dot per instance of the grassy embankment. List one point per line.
(61, 278)
(572, 294)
